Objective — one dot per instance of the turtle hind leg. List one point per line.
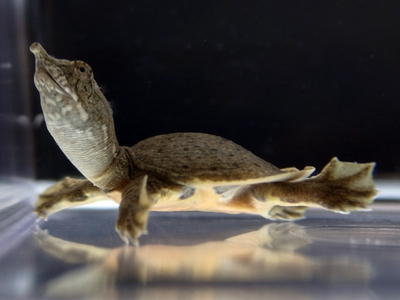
(67, 193)
(341, 187)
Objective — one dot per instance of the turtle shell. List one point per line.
(200, 157)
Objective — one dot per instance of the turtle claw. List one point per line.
(128, 238)
(41, 214)
(130, 228)
(132, 225)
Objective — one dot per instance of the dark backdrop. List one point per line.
(295, 82)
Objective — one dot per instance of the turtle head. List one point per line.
(69, 93)
(76, 112)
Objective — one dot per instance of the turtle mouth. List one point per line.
(52, 84)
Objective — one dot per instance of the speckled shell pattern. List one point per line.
(200, 156)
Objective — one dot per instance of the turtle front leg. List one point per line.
(67, 193)
(134, 211)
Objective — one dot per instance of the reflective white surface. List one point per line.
(78, 255)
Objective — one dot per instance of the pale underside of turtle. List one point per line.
(173, 172)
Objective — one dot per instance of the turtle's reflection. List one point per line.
(265, 255)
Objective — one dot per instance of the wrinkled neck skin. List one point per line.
(92, 148)
(77, 115)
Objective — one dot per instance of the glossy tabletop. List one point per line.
(77, 254)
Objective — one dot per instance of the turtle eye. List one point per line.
(82, 69)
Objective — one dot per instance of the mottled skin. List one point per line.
(180, 171)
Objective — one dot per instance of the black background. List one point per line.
(295, 82)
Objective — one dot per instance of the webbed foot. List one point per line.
(133, 211)
(341, 187)
(67, 193)
(345, 187)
